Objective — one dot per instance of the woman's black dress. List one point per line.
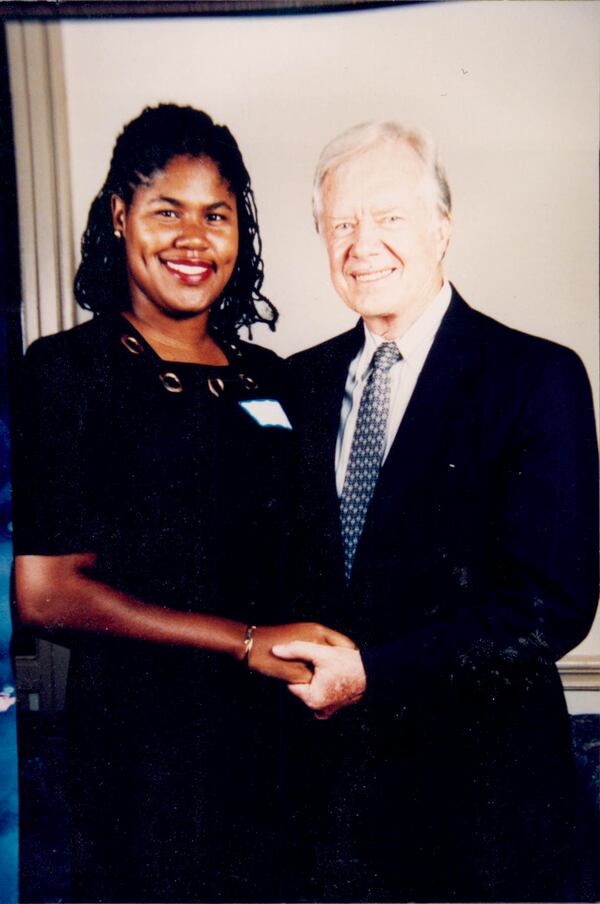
(176, 753)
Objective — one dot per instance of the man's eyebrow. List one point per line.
(383, 210)
(378, 212)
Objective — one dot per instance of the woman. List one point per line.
(152, 461)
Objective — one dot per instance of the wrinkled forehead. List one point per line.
(389, 163)
(385, 174)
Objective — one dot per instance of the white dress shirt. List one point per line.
(414, 347)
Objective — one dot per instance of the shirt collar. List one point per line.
(422, 331)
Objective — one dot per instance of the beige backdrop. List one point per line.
(508, 88)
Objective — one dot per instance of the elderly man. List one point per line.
(449, 526)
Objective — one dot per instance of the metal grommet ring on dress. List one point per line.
(132, 344)
(248, 382)
(234, 350)
(216, 386)
(171, 381)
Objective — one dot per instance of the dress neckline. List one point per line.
(230, 350)
(216, 377)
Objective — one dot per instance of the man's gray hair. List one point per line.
(364, 136)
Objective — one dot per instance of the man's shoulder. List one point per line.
(464, 329)
(508, 364)
(509, 347)
(330, 351)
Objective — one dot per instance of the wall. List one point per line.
(509, 90)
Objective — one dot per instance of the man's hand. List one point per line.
(261, 658)
(339, 677)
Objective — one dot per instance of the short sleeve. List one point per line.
(52, 510)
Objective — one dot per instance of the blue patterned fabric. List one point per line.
(9, 804)
(366, 454)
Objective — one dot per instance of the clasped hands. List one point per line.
(320, 666)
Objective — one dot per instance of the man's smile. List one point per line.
(372, 275)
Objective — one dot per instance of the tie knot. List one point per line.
(386, 355)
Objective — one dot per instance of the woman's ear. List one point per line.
(119, 215)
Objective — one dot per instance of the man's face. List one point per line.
(384, 236)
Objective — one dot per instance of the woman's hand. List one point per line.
(265, 637)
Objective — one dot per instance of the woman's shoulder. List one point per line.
(80, 339)
(78, 351)
(265, 367)
(68, 366)
(258, 352)
(261, 358)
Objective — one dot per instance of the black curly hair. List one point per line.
(145, 147)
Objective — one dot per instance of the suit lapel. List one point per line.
(329, 384)
(327, 387)
(410, 460)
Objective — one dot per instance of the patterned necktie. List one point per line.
(366, 453)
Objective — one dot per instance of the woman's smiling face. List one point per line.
(181, 238)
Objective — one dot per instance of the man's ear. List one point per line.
(444, 234)
(119, 212)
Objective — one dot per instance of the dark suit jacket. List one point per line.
(475, 572)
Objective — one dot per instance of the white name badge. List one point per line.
(267, 413)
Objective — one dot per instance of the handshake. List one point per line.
(320, 666)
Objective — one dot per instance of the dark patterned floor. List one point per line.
(586, 743)
(44, 866)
